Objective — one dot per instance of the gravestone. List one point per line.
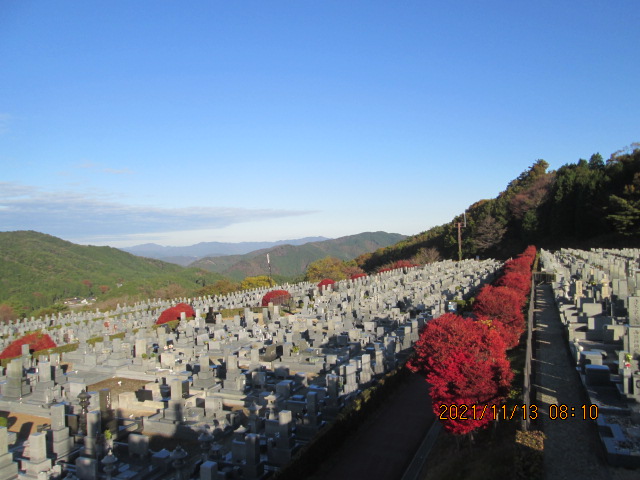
(8, 468)
(138, 445)
(16, 385)
(634, 341)
(58, 436)
(209, 470)
(634, 311)
(38, 461)
(87, 468)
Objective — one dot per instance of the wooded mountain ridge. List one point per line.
(39, 270)
(591, 203)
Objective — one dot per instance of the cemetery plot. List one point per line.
(598, 298)
(251, 389)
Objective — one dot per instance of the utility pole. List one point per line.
(460, 225)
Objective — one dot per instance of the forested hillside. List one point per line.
(585, 204)
(39, 270)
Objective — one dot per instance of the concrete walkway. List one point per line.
(572, 447)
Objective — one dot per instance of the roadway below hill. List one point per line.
(384, 446)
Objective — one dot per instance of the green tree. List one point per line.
(250, 283)
(596, 162)
(221, 287)
(328, 267)
(626, 209)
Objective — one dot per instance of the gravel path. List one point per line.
(572, 448)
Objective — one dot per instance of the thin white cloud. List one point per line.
(75, 215)
(89, 165)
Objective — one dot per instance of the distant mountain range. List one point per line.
(292, 260)
(189, 254)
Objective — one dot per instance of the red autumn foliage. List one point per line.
(324, 283)
(357, 275)
(519, 282)
(395, 265)
(530, 252)
(509, 334)
(36, 341)
(464, 360)
(504, 305)
(277, 297)
(465, 363)
(173, 313)
(517, 265)
(403, 264)
(523, 262)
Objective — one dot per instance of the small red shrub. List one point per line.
(357, 275)
(277, 297)
(324, 283)
(173, 313)
(36, 341)
(397, 264)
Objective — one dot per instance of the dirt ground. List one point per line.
(23, 424)
(118, 385)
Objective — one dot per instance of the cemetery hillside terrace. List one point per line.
(245, 392)
(224, 384)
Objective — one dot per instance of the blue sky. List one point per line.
(170, 122)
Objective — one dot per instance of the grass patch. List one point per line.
(500, 451)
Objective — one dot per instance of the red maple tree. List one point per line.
(503, 305)
(465, 363)
(519, 282)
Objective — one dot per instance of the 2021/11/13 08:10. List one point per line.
(504, 412)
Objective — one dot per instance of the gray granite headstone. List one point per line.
(8, 468)
(634, 311)
(58, 416)
(634, 340)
